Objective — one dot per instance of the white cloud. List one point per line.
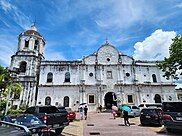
(154, 47)
(179, 5)
(6, 5)
(13, 13)
(54, 55)
(7, 48)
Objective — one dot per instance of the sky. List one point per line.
(142, 29)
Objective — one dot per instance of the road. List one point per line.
(103, 124)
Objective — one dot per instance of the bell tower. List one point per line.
(27, 60)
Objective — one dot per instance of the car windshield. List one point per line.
(135, 107)
(141, 105)
(68, 109)
(48, 110)
(172, 107)
(27, 120)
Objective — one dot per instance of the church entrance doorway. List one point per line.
(110, 98)
(157, 98)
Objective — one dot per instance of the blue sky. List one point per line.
(142, 29)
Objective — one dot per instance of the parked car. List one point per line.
(34, 125)
(11, 129)
(172, 115)
(145, 105)
(71, 114)
(51, 116)
(135, 111)
(149, 116)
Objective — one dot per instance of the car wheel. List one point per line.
(142, 124)
(58, 131)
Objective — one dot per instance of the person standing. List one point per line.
(85, 111)
(81, 112)
(125, 116)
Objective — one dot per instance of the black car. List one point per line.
(34, 125)
(172, 115)
(150, 116)
(51, 116)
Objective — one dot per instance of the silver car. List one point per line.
(135, 111)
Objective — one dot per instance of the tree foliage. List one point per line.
(173, 64)
(7, 84)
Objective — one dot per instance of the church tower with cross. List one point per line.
(27, 60)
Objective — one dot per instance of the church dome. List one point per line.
(31, 31)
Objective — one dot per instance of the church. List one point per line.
(105, 77)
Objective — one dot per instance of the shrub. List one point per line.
(15, 111)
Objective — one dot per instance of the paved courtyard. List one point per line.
(103, 124)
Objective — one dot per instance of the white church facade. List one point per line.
(104, 78)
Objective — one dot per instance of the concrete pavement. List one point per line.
(103, 124)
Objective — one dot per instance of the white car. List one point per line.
(135, 111)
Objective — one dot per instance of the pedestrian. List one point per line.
(85, 111)
(125, 116)
(81, 112)
(114, 109)
(100, 108)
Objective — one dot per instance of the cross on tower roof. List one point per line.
(107, 41)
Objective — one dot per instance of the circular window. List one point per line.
(108, 59)
(127, 74)
(91, 74)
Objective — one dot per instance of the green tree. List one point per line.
(7, 86)
(173, 63)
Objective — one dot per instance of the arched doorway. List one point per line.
(157, 98)
(66, 101)
(110, 98)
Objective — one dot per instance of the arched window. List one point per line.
(36, 44)
(23, 66)
(67, 77)
(26, 43)
(48, 100)
(154, 78)
(49, 77)
(157, 98)
(66, 101)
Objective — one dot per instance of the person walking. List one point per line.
(81, 112)
(100, 108)
(85, 111)
(114, 109)
(125, 116)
